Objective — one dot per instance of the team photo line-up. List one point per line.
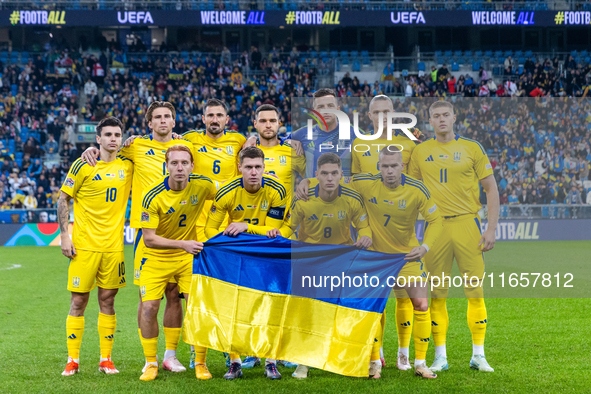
(187, 189)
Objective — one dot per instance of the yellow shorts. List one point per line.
(412, 271)
(459, 239)
(157, 273)
(138, 256)
(107, 269)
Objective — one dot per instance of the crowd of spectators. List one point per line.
(539, 149)
(534, 78)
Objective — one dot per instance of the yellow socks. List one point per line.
(377, 343)
(106, 330)
(150, 346)
(421, 333)
(404, 317)
(439, 320)
(200, 354)
(172, 337)
(74, 332)
(477, 320)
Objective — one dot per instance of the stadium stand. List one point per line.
(45, 94)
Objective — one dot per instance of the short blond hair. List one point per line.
(441, 104)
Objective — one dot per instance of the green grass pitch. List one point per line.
(534, 344)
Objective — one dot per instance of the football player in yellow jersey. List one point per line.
(148, 155)
(327, 214)
(255, 203)
(452, 167)
(170, 208)
(280, 158)
(365, 154)
(100, 196)
(393, 201)
(216, 151)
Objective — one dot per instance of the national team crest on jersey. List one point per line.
(76, 281)
(212, 210)
(194, 199)
(230, 150)
(283, 160)
(121, 175)
(342, 215)
(401, 204)
(457, 156)
(264, 205)
(69, 182)
(145, 217)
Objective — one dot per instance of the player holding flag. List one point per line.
(393, 201)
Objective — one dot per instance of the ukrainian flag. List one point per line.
(251, 295)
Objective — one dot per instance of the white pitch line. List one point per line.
(11, 267)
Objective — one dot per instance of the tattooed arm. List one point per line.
(63, 218)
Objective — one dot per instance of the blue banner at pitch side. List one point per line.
(294, 19)
(535, 230)
(46, 234)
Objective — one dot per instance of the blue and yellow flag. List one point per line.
(280, 299)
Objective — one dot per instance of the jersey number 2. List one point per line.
(182, 221)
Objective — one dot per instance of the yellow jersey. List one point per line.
(100, 196)
(173, 213)
(147, 156)
(263, 210)
(451, 171)
(393, 212)
(365, 154)
(281, 160)
(216, 158)
(320, 222)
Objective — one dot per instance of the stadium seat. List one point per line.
(313, 54)
(354, 54)
(488, 54)
(323, 54)
(365, 53)
(14, 57)
(587, 60)
(11, 146)
(356, 65)
(469, 53)
(521, 60)
(475, 66)
(457, 54)
(520, 69)
(345, 61)
(24, 57)
(508, 53)
(518, 53)
(421, 66)
(344, 54)
(573, 53)
(498, 53)
(438, 54)
(529, 54)
(334, 54)
(584, 53)
(366, 60)
(447, 54)
(455, 67)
